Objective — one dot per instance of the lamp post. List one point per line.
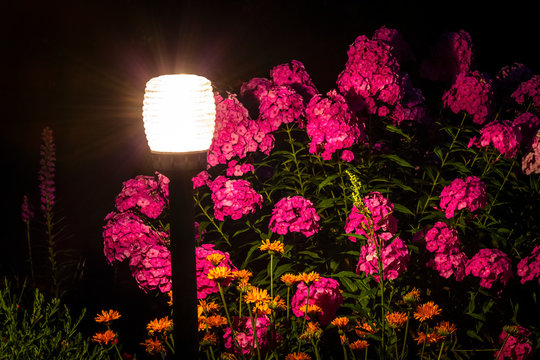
(179, 116)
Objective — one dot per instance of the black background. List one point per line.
(80, 67)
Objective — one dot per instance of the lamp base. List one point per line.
(165, 162)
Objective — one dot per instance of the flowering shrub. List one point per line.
(301, 198)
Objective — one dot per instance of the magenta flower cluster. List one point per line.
(294, 214)
(47, 170)
(294, 75)
(516, 347)
(324, 293)
(503, 135)
(371, 78)
(394, 254)
(331, 126)
(452, 55)
(448, 259)
(243, 331)
(201, 179)
(27, 214)
(473, 93)
(528, 90)
(399, 47)
(490, 265)
(234, 198)
(281, 105)
(235, 133)
(236, 169)
(530, 163)
(460, 194)
(528, 268)
(147, 194)
(151, 268)
(125, 235)
(374, 215)
(206, 286)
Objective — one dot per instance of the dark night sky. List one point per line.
(81, 67)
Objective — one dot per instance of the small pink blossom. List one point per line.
(234, 198)
(27, 213)
(490, 265)
(47, 171)
(243, 330)
(529, 89)
(280, 105)
(449, 263)
(531, 160)
(201, 179)
(472, 92)
(347, 155)
(294, 214)
(529, 267)
(324, 293)
(148, 194)
(331, 126)
(294, 74)
(235, 169)
(400, 48)
(395, 257)
(503, 135)
(375, 215)
(151, 268)
(470, 194)
(442, 239)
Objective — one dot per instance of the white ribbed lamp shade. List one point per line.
(179, 113)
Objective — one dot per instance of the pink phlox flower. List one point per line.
(460, 194)
(442, 239)
(371, 78)
(529, 267)
(449, 263)
(125, 234)
(376, 215)
(151, 268)
(235, 169)
(281, 105)
(148, 194)
(245, 335)
(331, 126)
(47, 170)
(503, 135)
(234, 198)
(516, 347)
(472, 92)
(294, 74)
(452, 54)
(206, 286)
(395, 257)
(347, 155)
(530, 163)
(201, 179)
(529, 89)
(324, 293)
(294, 214)
(490, 265)
(400, 48)
(508, 79)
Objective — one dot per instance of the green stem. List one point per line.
(502, 347)
(344, 352)
(405, 336)
(443, 162)
(118, 352)
(254, 329)
(293, 152)
(317, 355)
(225, 237)
(440, 351)
(305, 317)
(233, 334)
(30, 252)
(272, 276)
(169, 345)
(288, 302)
(498, 192)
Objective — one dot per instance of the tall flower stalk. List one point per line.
(47, 192)
(27, 216)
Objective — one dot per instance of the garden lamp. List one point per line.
(179, 114)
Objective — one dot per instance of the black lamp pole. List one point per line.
(180, 168)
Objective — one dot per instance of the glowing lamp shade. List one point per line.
(179, 113)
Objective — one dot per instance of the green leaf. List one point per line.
(327, 181)
(397, 130)
(473, 335)
(402, 209)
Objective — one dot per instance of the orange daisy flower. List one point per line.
(312, 331)
(227, 356)
(289, 279)
(429, 338)
(107, 316)
(426, 311)
(154, 347)
(170, 303)
(243, 285)
(341, 322)
(312, 309)
(277, 303)
(298, 356)
(261, 309)
(105, 337)
(255, 294)
(219, 273)
(272, 247)
(358, 345)
(215, 258)
(343, 339)
(445, 328)
(309, 278)
(412, 296)
(242, 274)
(206, 307)
(365, 329)
(208, 339)
(162, 325)
(396, 319)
